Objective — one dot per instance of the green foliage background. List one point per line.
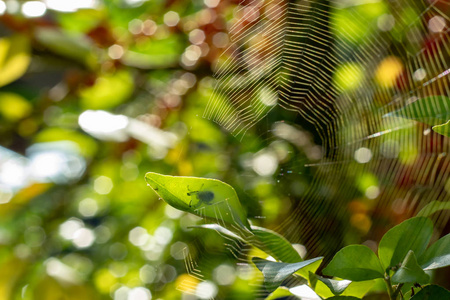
(123, 57)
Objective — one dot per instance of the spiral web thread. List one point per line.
(287, 54)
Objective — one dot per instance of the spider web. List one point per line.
(344, 67)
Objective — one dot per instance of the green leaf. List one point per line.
(265, 239)
(407, 289)
(208, 198)
(355, 288)
(438, 255)
(413, 234)
(432, 110)
(360, 288)
(356, 263)
(337, 287)
(280, 292)
(275, 245)
(108, 91)
(443, 129)
(319, 287)
(344, 298)
(14, 107)
(82, 20)
(276, 272)
(432, 292)
(68, 44)
(410, 271)
(149, 61)
(304, 272)
(432, 207)
(14, 58)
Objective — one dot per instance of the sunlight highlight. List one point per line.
(70, 5)
(104, 125)
(33, 9)
(2, 7)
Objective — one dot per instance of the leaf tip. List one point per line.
(150, 175)
(442, 129)
(152, 178)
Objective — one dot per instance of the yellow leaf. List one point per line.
(14, 58)
(108, 91)
(11, 272)
(14, 107)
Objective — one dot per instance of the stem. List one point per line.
(391, 293)
(398, 290)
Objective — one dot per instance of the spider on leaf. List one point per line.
(202, 196)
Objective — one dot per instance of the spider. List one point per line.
(202, 196)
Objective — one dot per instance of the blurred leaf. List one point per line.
(149, 61)
(10, 272)
(432, 110)
(23, 197)
(356, 263)
(410, 271)
(337, 287)
(433, 207)
(203, 131)
(276, 272)
(438, 255)
(432, 292)
(413, 234)
(443, 129)
(14, 107)
(349, 28)
(87, 146)
(348, 76)
(81, 20)
(167, 49)
(209, 198)
(366, 180)
(68, 44)
(14, 58)
(50, 289)
(103, 280)
(108, 91)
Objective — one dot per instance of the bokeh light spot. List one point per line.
(103, 185)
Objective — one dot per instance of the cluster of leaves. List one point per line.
(403, 253)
